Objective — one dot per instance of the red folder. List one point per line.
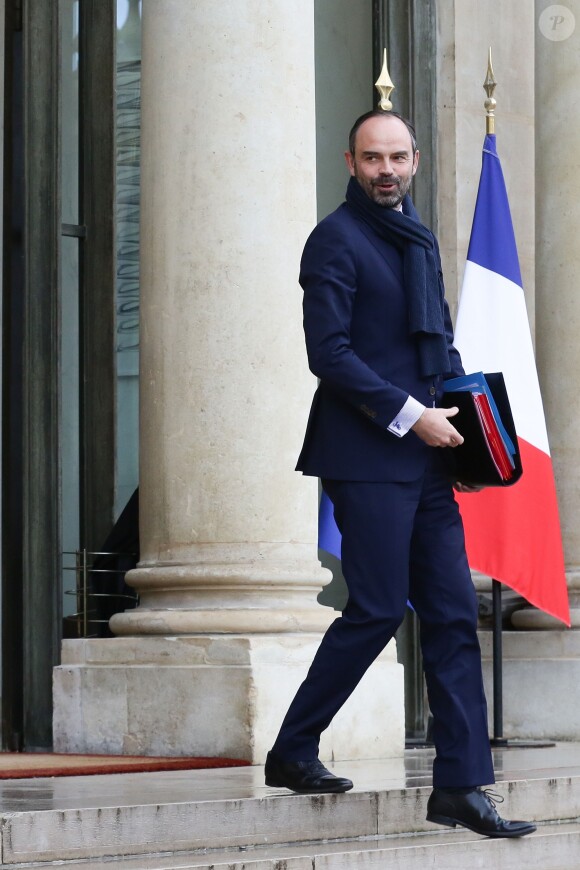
(493, 437)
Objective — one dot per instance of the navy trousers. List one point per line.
(401, 541)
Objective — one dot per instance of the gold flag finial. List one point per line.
(490, 104)
(384, 86)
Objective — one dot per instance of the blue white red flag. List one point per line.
(513, 533)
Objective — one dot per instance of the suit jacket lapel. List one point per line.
(384, 249)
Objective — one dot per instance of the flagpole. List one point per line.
(498, 739)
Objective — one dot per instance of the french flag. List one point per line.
(512, 533)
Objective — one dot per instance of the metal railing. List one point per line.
(92, 599)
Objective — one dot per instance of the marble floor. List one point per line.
(130, 789)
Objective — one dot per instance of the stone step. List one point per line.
(552, 847)
(284, 823)
(556, 847)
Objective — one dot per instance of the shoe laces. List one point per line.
(492, 796)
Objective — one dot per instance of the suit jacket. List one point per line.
(358, 344)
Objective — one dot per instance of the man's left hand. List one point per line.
(466, 487)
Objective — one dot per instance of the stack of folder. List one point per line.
(489, 455)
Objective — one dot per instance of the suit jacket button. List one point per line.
(432, 391)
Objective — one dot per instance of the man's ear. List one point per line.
(349, 161)
(415, 161)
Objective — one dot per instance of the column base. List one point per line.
(243, 588)
(531, 619)
(537, 666)
(213, 695)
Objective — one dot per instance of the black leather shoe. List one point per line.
(307, 777)
(474, 810)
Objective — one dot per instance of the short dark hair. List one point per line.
(379, 113)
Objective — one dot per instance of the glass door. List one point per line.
(127, 201)
(70, 262)
(100, 135)
(70, 323)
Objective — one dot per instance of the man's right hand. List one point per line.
(434, 428)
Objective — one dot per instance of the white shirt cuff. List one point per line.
(407, 417)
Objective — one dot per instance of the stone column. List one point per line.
(536, 133)
(228, 619)
(557, 269)
(465, 32)
(227, 527)
(536, 136)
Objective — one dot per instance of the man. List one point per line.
(379, 338)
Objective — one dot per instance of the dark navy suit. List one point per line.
(402, 536)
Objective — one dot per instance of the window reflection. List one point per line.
(128, 144)
(69, 290)
(127, 206)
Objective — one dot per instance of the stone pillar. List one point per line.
(536, 133)
(557, 269)
(228, 619)
(465, 32)
(227, 527)
(227, 199)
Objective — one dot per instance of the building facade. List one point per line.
(163, 164)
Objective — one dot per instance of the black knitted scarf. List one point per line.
(421, 271)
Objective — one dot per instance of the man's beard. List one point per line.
(386, 200)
